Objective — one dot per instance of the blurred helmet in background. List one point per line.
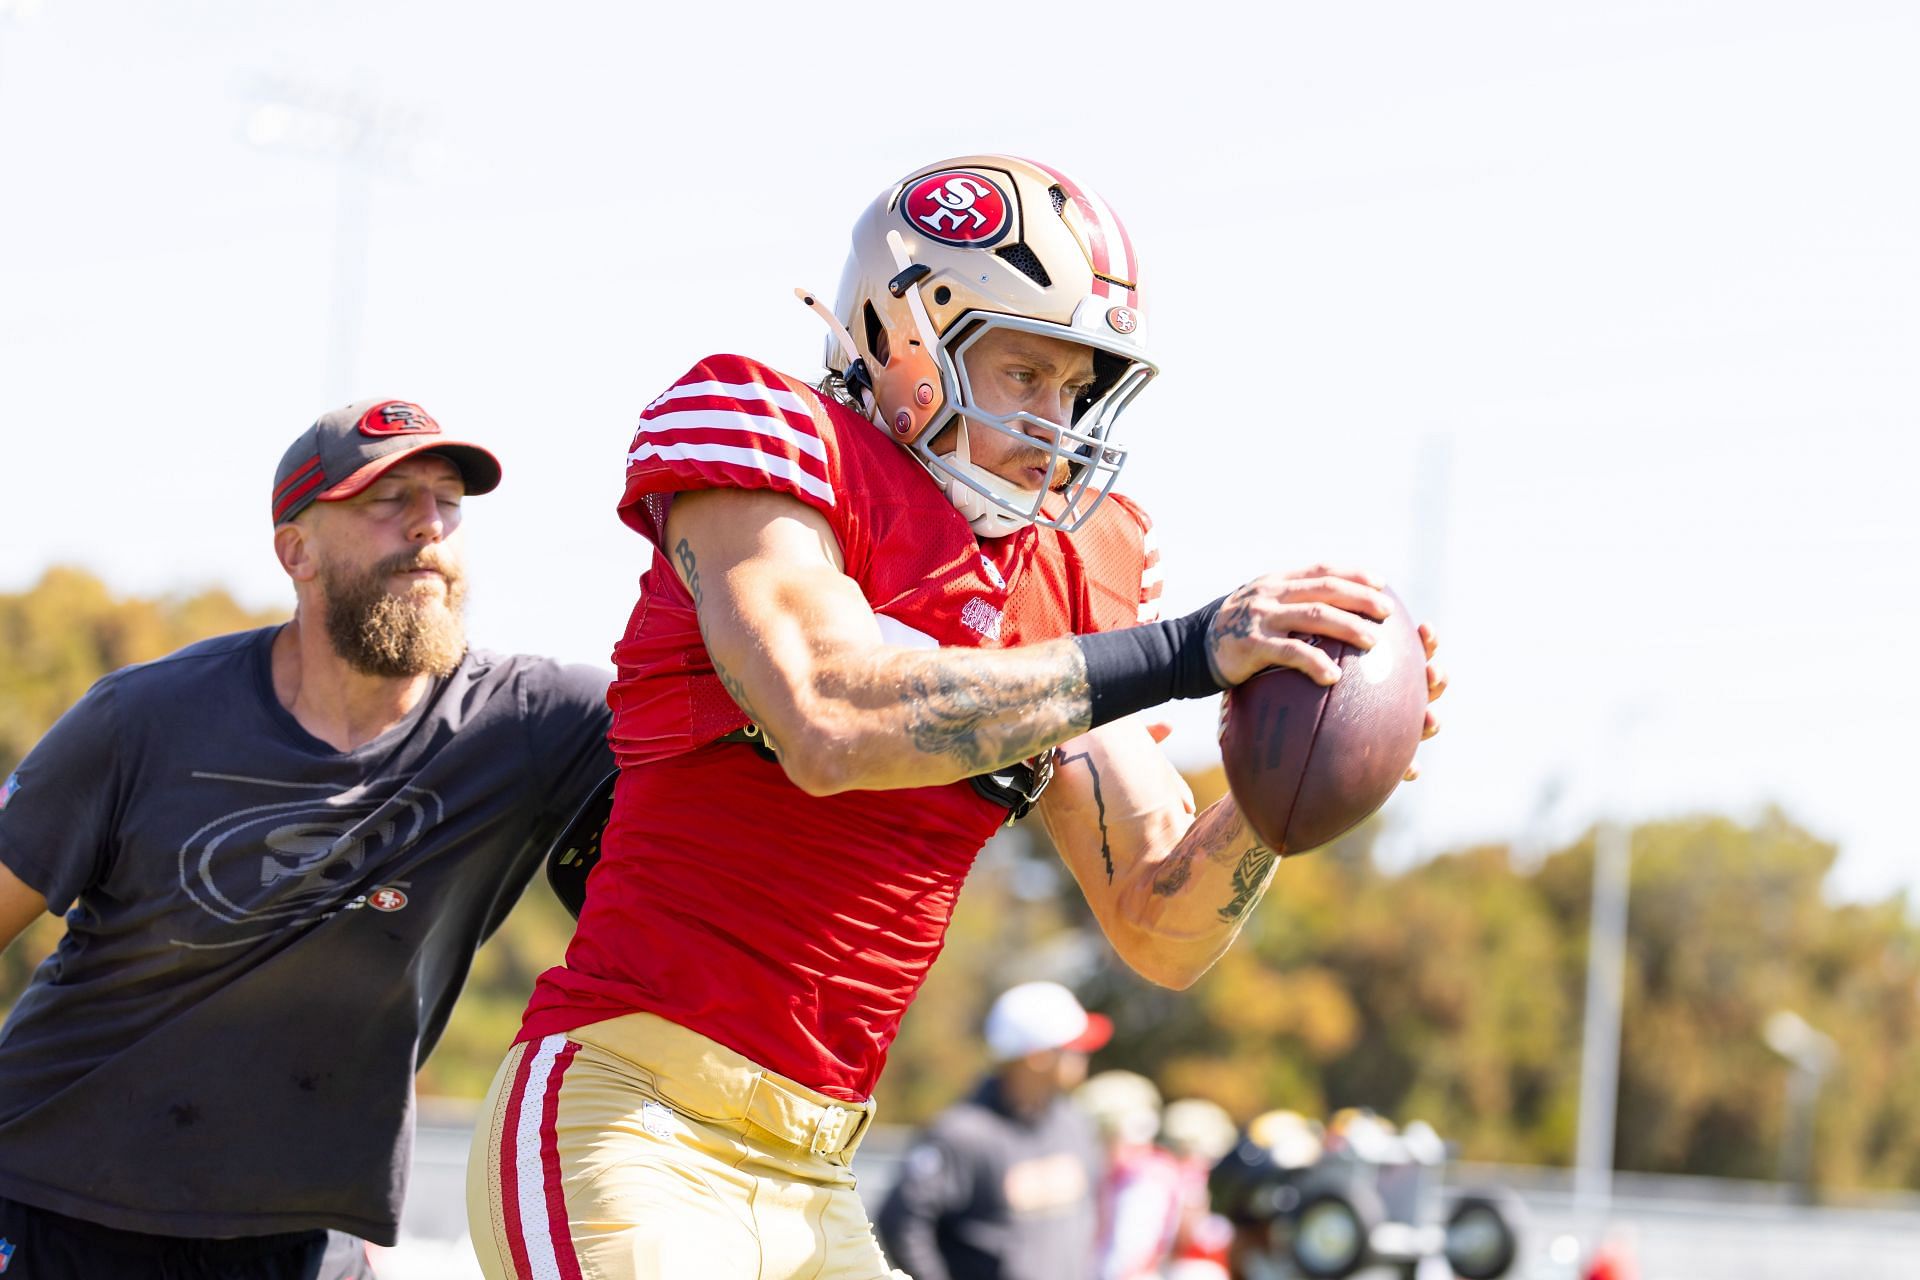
(1194, 1128)
(1125, 1107)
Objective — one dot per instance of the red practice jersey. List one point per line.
(794, 928)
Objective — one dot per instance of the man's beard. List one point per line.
(378, 633)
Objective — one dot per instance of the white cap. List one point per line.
(1036, 1016)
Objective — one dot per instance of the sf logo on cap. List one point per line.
(397, 418)
(958, 208)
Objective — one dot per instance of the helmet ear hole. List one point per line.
(877, 336)
(1107, 368)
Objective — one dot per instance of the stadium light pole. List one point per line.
(1404, 840)
(1812, 1054)
(363, 138)
(1606, 980)
(1432, 521)
(1600, 1027)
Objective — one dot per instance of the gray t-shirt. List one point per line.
(267, 934)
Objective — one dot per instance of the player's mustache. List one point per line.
(1070, 451)
(1039, 455)
(1046, 459)
(414, 561)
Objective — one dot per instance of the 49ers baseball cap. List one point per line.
(346, 450)
(1036, 1016)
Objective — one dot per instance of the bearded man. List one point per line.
(281, 849)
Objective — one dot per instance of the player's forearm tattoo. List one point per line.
(1250, 880)
(1174, 877)
(1219, 835)
(959, 704)
(1100, 806)
(683, 552)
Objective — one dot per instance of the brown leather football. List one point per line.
(1307, 762)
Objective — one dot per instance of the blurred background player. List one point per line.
(282, 848)
(1155, 1215)
(1001, 1185)
(1142, 1190)
(880, 617)
(1198, 1134)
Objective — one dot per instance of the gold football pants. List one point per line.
(635, 1149)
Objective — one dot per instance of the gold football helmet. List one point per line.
(954, 251)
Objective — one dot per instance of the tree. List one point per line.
(56, 639)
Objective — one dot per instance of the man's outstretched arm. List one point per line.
(798, 647)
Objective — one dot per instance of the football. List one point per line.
(1305, 762)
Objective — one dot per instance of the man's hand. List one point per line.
(1260, 625)
(1436, 685)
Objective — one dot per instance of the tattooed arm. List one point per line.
(1170, 889)
(799, 648)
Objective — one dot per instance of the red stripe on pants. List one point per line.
(557, 1229)
(509, 1166)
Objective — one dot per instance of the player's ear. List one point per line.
(293, 545)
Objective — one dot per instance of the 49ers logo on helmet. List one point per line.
(957, 207)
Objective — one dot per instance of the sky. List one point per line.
(1594, 328)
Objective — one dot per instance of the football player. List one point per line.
(881, 613)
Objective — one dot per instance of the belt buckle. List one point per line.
(834, 1131)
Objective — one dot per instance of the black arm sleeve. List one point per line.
(1135, 668)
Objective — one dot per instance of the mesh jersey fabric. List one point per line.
(796, 929)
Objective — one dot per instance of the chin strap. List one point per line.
(986, 519)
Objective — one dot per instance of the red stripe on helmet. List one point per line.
(1098, 233)
(1133, 263)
